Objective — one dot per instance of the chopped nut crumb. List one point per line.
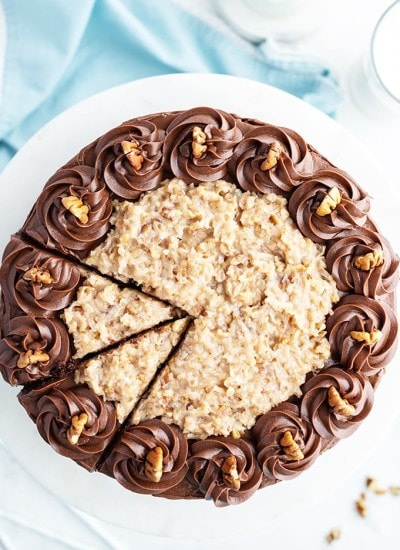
(333, 535)
(361, 505)
(373, 486)
(394, 490)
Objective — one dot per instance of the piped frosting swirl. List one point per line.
(206, 462)
(293, 164)
(33, 347)
(127, 461)
(352, 387)
(304, 205)
(55, 225)
(269, 431)
(353, 317)
(113, 166)
(37, 282)
(53, 407)
(222, 133)
(341, 261)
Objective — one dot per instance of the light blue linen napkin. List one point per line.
(59, 52)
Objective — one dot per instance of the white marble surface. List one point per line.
(32, 518)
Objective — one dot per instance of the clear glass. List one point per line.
(375, 80)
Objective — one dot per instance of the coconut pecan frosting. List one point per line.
(73, 215)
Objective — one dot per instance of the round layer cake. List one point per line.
(198, 305)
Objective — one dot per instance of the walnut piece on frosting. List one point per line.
(199, 139)
(338, 404)
(329, 202)
(153, 466)
(272, 157)
(78, 424)
(230, 474)
(77, 208)
(35, 275)
(369, 260)
(133, 154)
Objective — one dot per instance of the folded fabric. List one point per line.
(58, 53)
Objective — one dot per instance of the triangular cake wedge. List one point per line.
(57, 311)
(103, 313)
(78, 416)
(123, 374)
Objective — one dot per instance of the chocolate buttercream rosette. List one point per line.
(129, 158)
(72, 419)
(72, 212)
(199, 143)
(271, 159)
(33, 348)
(327, 204)
(362, 333)
(336, 401)
(148, 458)
(362, 262)
(36, 282)
(287, 444)
(224, 469)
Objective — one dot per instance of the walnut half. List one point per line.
(368, 338)
(78, 424)
(198, 142)
(290, 447)
(35, 275)
(230, 474)
(31, 358)
(338, 404)
(76, 207)
(133, 154)
(272, 157)
(369, 261)
(329, 202)
(153, 466)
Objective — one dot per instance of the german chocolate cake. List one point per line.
(198, 305)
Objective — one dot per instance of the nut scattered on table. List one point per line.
(395, 491)
(290, 447)
(35, 275)
(329, 202)
(368, 338)
(338, 404)
(369, 261)
(133, 153)
(272, 157)
(333, 535)
(198, 141)
(78, 424)
(32, 357)
(361, 505)
(373, 486)
(76, 207)
(230, 474)
(153, 466)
